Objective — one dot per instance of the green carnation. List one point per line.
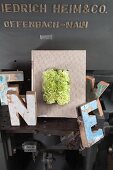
(56, 86)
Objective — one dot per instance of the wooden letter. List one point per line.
(3, 90)
(93, 93)
(101, 87)
(18, 106)
(90, 83)
(89, 121)
(11, 76)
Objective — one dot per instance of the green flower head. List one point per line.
(56, 86)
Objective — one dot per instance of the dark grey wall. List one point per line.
(16, 44)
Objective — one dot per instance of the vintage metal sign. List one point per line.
(67, 25)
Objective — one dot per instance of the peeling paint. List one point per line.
(89, 121)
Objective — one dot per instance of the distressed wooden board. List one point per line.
(75, 62)
(14, 87)
(12, 76)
